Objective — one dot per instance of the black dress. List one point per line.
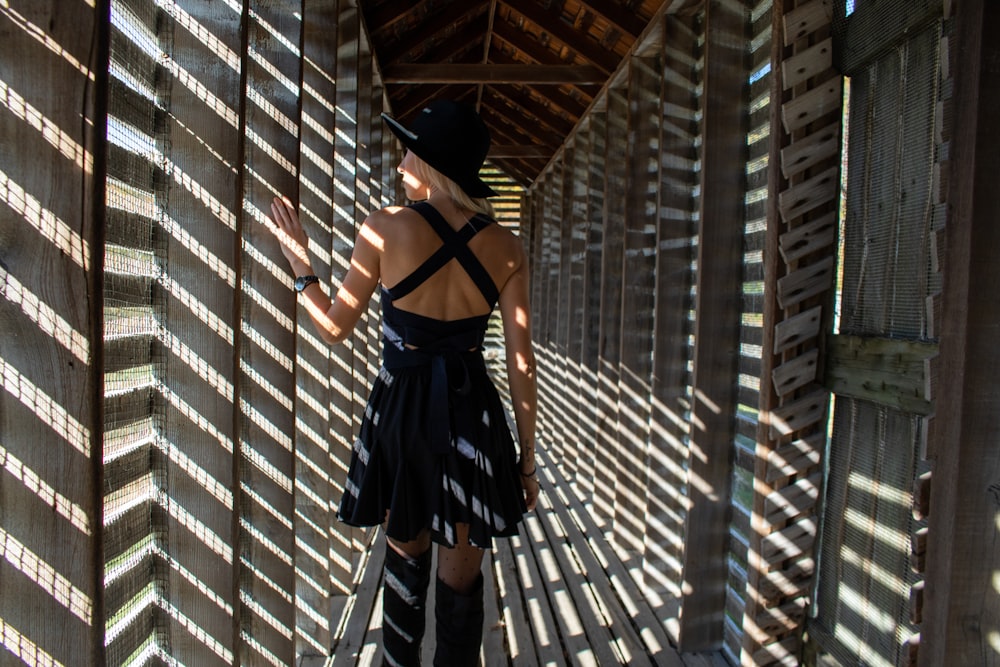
(434, 448)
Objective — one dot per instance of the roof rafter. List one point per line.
(553, 24)
(491, 73)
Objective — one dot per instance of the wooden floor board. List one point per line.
(557, 594)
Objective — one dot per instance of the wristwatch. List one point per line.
(303, 282)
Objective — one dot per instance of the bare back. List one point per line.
(449, 293)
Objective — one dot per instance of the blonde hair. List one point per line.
(431, 176)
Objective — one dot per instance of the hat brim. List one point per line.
(472, 185)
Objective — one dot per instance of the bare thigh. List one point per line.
(415, 547)
(459, 566)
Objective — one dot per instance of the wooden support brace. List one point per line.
(799, 414)
(793, 581)
(919, 549)
(806, 19)
(887, 371)
(797, 329)
(778, 620)
(917, 603)
(809, 194)
(796, 373)
(922, 496)
(794, 500)
(789, 542)
(795, 457)
(807, 63)
(806, 108)
(806, 282)
(809, 237)
(783, 653)
(821, 145)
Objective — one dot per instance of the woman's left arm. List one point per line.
(336, 319)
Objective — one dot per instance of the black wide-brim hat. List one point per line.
(452, 138)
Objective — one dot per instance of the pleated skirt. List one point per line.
(395, 471)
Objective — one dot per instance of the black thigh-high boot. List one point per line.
(404, 594)
(459, 625)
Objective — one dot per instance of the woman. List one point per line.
(434, 460)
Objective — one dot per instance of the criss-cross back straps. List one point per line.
(455, 245)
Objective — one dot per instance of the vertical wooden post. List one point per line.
(575, 215)
(317, 575)
(594, 216)
(52, 170)
(552, 351)
(716, 349)
(267, 328)
(638, 283)
(345, 393)
(611, 305)
(961, 605)
(200, 343)
(804, 111)
(675, 248)
(565, 331)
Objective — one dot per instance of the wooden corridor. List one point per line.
(558, 594)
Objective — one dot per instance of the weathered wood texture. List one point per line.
(718, 285)
(578, 392)
(322, 567)
(642, 163)
(346, 360)
(51, 249)
(558, 594)
(675, 246)
(202, 267)
(265, 397)
(593, 135)
(962, 558)
(803, 179)
(219, 445)
(894, 373)
(609, 428)
(889, 275)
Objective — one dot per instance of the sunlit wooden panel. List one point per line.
(50, 611)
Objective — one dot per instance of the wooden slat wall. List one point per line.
(672, 510)
(716, 331)
(232, 422)
(590, 171)
(677, 219)
(317, 574)
(266, 392)
(201, 268)
(51, 203)
(638, 280)
(609, 428)
(800, 192)
(346, 395)
(961, 555)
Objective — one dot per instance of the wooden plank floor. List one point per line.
(555, 595)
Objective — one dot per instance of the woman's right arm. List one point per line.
(516, 312)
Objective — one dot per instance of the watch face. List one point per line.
(303, 282)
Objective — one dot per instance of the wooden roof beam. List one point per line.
(573, 105)
(492, 73)
(628, 22)
(454, 15)
(381, 19)
(552, 23)
(522, 151)
(523, 103)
